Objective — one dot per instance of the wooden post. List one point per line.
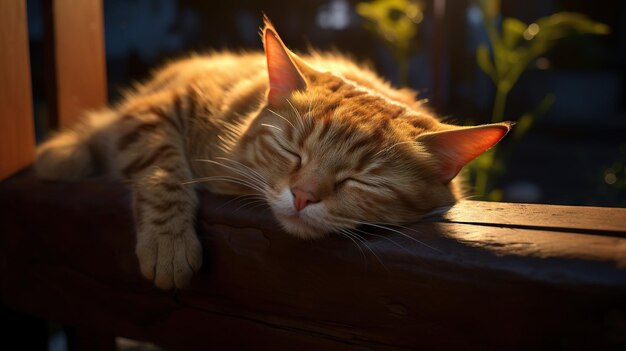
(17, 136)
(79, 80)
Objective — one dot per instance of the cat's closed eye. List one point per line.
(352, 180)
(317, 179)
(293, 155)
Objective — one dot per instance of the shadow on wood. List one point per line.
(488, 275)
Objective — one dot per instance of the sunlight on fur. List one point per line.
(324, 141)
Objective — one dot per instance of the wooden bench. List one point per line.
(484, 276)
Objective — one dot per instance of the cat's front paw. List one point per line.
(169, 259)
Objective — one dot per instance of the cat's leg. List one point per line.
(69, 154)
(153, 159)
(167, 247)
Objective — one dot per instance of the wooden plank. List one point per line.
(16, 112)
(79, 57)
(480, 287)
(610, 221)
(538, 254)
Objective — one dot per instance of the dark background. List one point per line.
(566, 158)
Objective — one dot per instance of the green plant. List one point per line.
(614, 177)
(395, 22)
(513, 48)
(518, 44)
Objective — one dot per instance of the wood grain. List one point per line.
(16, 113)
(472, 287)
(79, 57)
(610, 221)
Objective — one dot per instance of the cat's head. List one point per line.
(334, 154)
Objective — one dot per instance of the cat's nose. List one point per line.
(302, 198)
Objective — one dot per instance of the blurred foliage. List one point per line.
(614, 176)
(513, 46)
(518, 44)
(511, 50)
(395, 22)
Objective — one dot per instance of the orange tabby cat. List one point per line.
(328, 144)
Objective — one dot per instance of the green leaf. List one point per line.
(528, 119)
(563, 24)
(512, 31)
(484, 62)
(514, 47)
(393, 21)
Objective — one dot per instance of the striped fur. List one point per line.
(205, 121)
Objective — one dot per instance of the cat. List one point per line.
(328, 144)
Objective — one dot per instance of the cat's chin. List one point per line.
(297, 227)
(303, 224)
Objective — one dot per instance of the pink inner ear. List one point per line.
(283, 74)
(455, 148)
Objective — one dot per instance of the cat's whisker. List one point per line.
(248, 204)
(264, 203)
(300, 119)
(349, 236)
(271, 126)
(310, 116)
(362, 240)
(245, 166)
(279, 116)
(260, 185)
(224, 179)
(383, 237)
(280, 140)
(338, 223)
(349, 134)
(394, 145)
(259, 182)
(400, 226)
(399, 232)
(235, 169)
(238, 198)
(405, 235)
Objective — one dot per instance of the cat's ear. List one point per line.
(284, 75)
(454, 148)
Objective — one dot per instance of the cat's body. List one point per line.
(326, 143)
